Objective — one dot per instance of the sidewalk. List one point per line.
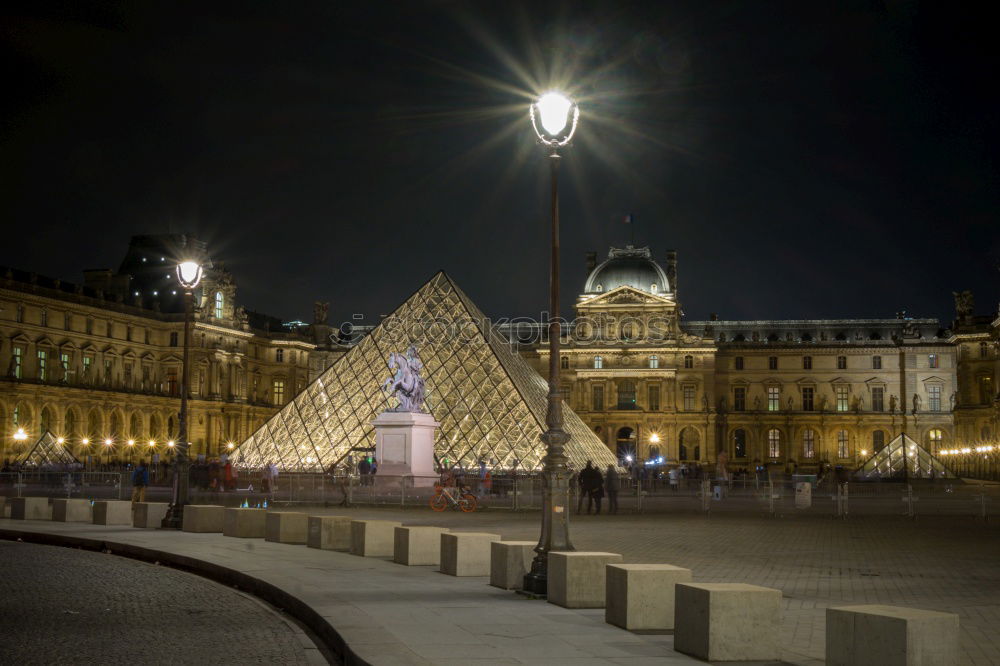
(387, 613)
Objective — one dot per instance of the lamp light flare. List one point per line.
(553, 107)
(107, 442)
(152, 443)
(170, 443)
(189, 274)
(131, 442)
(20, 435)
(85, 440)
(654, 438)
(60, 440)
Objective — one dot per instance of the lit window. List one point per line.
(932, 360)
(772, 362)
(64, 362)
(809, 443)
(843, 444)
(219, 302)
(689, 362)
(738, 362)
(841, 363)
(934, 438)
(807, 362)
(773, 398)
(878, 399)
(598, 362)
(808, 395)
(842, 396)
(688, 398)
(43, 357)
(654, 362)
(876, 362)
(774, 443)
(739, 399)
(279, 391)
(17, 361)
(934, 398)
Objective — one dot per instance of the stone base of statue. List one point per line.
(404, 446)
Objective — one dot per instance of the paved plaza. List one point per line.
(396, 614)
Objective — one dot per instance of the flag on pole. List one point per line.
(628, 219)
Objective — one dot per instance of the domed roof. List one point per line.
(632, 266)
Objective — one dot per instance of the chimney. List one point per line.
(591, 261)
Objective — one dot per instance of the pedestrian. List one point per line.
(596, 491)
(372, 472)
(227, 475)
(589, 478)
(674, 476)
(611, 485)
(140, 479)
(488, 483)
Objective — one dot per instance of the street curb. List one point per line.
(272, 594)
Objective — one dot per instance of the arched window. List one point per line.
(46, 421)
(116, 426)
(808, 443)
(219, 302)
(652, 287)
(93, 424)
(598, 362)
(625, 443)
(135, 426)
(773, 443)
(654, 362)
(689, 361)
(878, 440)
(154, 426)
(600, 288)
(843, 444)
(689, 446)
(740, 443)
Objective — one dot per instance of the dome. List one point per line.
(628, 266)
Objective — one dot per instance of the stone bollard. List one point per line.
(641, 596)
(417, 545)
(203, 518)
(510, 561)
(30, 508)
(71, 510)
(286, 527)
(727, 621)
(244, 523)
(113, 512)
(329, 532)
(890, 636)
(466, 553)
(149, 514)
(373, 538)
(4, 509)
(578, 579)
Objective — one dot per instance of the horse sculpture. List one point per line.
(406, 384)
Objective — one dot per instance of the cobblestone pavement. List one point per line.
(67, 606)
(947, 564)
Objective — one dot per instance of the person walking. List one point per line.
(611, 486)
(140, 479)
(596, 491)
(674, 476)
(585, 483)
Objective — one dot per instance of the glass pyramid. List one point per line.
(903, 458)
(47, 451)
(490, 402)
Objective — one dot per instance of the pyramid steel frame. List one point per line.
(47, 451)
(490, 403)
(903, 458)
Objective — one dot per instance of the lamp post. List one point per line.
(554, 118)
(188, 275)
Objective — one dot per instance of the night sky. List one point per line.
(805, 159)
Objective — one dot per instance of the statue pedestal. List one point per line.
(404, 446)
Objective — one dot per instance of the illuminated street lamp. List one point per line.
(554, 117)
(189, 273)
(20, 435)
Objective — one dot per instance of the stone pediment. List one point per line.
(626, 295)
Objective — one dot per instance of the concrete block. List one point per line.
(509, 562)
(113, 512)
(244, 523)
(149, 514)
(890, 636)
(418, 545)
(4, 507)
(466, 553)
(373, 538)
(727, 621)
(203, 518)
(641, 596)
(30, 508)
(577, 579)
(71, 510)
(286, 527)
(329, 532)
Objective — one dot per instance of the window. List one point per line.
(934, 438)
(807, 362)
(843, 444)
(809, 443)
(654, 362)
(841, 393)
(64, 362)
(808, 394)
(774, 443)
(654, 397)
(932, 360)
(17, 360)
(773, 398)
(626, 395)
(88, 360)
(16, 416)
(43, 318)
(173, 338)
(68, 321)
(279, 391)
(219, 302)
(564, 362)
(689, 362)
(738, 362)
(688, 393)
(984, 350)
(739, 399)
(878, 399)
(985, 390)
(598, 362)
(598, 399)
(279, 355)
(772, 362)
(740, 443)
(107, 370)
(19, 314)
(172, 384)
(627, 331)
(128, 374)
(934, 398)
(90, 326)
(876, 362)
(43, 358)
(878, 440)
(841, 363)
